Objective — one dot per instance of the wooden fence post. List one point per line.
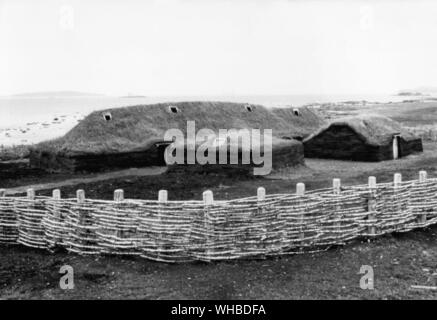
(118, 199)
(208, 200)
(56, 195)
(261, 194)
(162, 199)
(30, 194)
(80, 195)
(80, 229)
(336, 185)
(31, 204)
(29, 233)
(423, 176)
(371, 205)
(300, 192)
(2, 195)
(261, 197)
(119, 195)
(397, 181)
(300, 189)
(58, 234)
(163, 196)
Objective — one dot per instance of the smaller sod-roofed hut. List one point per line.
(362, 138)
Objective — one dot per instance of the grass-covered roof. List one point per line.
(373, 129)
(138, 127)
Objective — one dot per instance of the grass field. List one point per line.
(399, 260)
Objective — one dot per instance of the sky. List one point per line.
(217, 47)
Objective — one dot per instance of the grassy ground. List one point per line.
(399, 260)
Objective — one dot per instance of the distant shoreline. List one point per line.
(54, 94)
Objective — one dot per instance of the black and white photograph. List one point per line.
(218, 155)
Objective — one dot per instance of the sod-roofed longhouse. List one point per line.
(134, 136)
(362, 138)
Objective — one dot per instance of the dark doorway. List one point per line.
(160, 159)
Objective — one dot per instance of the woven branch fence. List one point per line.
(255, 227)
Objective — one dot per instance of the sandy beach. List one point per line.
(34, 132)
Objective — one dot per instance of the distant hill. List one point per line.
(56, 94)
(420, 91)
(134, 96)
(409, 93)
(427, 90)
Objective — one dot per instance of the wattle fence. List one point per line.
(253, 227)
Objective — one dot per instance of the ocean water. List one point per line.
(26, 120)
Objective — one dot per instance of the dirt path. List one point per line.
(141, 172)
